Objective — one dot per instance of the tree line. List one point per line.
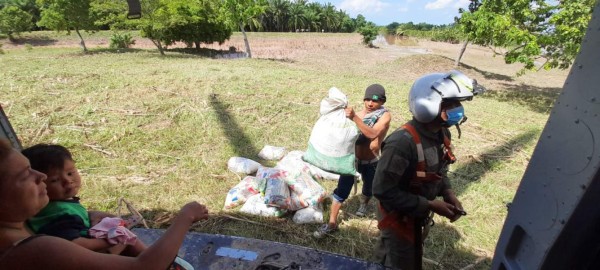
(169, 21)
(537, 33)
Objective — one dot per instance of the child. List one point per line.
(65, 217)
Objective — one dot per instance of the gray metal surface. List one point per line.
(554, 220)
(215, 252)
(7, 130)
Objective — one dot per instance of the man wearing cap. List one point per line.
(373, 122)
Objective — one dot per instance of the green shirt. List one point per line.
(67, 219)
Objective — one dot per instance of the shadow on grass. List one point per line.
(108, 50)
(537, 99)
(488, 75)
(240, 142)
(448, 254)
(210, 53)
(283, 60)
(34, 41)
(441, 250)
(473, 170)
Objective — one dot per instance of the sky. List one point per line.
(384, 12)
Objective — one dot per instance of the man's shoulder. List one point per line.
(399, 138)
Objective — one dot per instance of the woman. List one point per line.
(23, 194)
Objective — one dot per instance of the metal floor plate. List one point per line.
(213, 251)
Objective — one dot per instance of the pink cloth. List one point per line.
(113, 230)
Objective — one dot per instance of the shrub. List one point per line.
(13, 21)
(369, 33)
(121, 41)
(451, 35)
(1, 51)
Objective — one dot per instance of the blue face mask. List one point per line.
(455, 115)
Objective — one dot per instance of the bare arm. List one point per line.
(92, 243)
(381, 127)
(97, 216)
(48, 252)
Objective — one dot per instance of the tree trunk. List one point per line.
(159, 46)
(197, 43)
(82, 42)
(248, 52)
(460, 53)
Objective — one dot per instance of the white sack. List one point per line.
(242, 165)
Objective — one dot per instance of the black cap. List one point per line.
(375, 92)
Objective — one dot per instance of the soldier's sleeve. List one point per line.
(446, 184)
(392, 179)
(444, 171)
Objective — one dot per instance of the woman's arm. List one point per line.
(92, 243)
(48, 252)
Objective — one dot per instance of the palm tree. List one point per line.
(279, 9)
(297, 19)
(313, 16)
(313, 20)
(329, 17)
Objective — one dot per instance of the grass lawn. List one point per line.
(158, 131)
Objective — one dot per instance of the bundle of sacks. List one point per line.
(288, 187)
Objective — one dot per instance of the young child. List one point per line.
(65, 217)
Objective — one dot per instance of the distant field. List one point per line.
(159, 130)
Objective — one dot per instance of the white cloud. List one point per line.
(403, 9)
(363, 6)
(462, 4)
(439, 4)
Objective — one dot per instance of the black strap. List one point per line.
(418, 244)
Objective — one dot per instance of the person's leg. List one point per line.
(340, 194)
(394, 252)
(368, 173)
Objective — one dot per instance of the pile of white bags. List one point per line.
(289, 187)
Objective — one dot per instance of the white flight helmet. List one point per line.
(426, 94)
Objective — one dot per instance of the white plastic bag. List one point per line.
(271, 152)
(312, 214)
(293, 162)
(300, 180)
(237, 195)
(277, 193)
(242, 165)
(255, 205)
(320, 174)
(332, 139)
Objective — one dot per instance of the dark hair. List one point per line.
(47, 157)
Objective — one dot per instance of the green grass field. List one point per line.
(158, 131)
